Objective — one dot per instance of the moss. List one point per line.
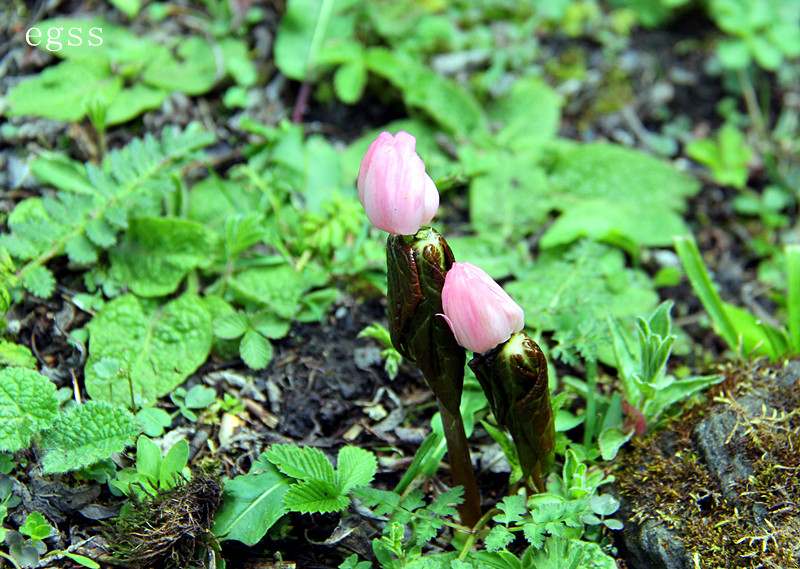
(666, 479)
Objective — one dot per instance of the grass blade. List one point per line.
(793, 295)
(695, 269)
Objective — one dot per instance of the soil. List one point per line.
(327, 388)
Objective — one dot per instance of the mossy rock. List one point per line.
(720, 487)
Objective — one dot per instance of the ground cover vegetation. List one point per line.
(196, 364)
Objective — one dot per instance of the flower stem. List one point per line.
(461, 466)
(591, 402)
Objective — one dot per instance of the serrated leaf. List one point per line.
(513, 508)
(278, 288)
(270, 325)
(355, 467)
(527, 126)
(231, 325)
(86, 434)
(156, 253)
(523, 205)
(534, 533)
(159, 345)
(572, 292)
(499, 538)
(28, 404)
(639, 192)
(426, 530)
(383, 501)
(39, 281)
(251, 504)
(315, 496)
(255, 349)
(303, 463)
(80, 250)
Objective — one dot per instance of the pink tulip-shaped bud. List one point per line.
(397, 194)
(478, 310)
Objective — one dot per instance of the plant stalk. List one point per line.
(591, 404)
(461, 466)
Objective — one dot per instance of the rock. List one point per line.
(719, 485)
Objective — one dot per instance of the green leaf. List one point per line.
(86, 434)
(81, 560)
(695, 269)
(213, 201)
(349, 81)
(16, 355)
(355, 467)
(231, 325)
(128, 7)
(36, 526)
(255, 349)
(307, 28)
(57, 170)
(135, 178)
(39, 281)
(571, 293)
(733, 53)
(626, 194)
(200, 397)
(173, 464)
(614, 222)
(194, 71)
(132, 102)
(320, 173)
(521, 208)
(28, 404)
(153, 421)
(611, 440)
(303, 463)
(237, 62)
(278, 288)
(793, 295)
(270, 325)
(513, 508)
(148, 460)
(315, 496)
(156, 254)
(62, 92)
(159, 345)
(451, 106)
(527, 126)
(499, 538)
(727, 157)
(251, 504)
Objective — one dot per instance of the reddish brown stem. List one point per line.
(302, 101)
(461, 466)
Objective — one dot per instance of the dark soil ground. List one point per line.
(326, 387)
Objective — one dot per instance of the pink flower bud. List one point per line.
(480, 313)
(397, 194)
